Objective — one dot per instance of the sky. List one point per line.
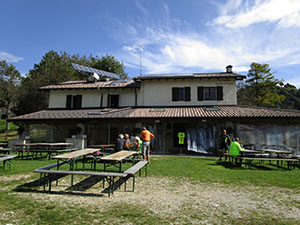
(157, 36)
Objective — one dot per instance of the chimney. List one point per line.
(229, 69)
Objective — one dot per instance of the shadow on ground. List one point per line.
(231, 165)
(79, 189)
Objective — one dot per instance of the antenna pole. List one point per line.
(140, 48)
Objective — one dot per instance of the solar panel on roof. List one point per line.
(101, 73)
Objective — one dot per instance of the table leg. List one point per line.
(72, 165)
(57, 168)
(43, 175)
(83, 160)
(95, 163)
(133, 182)
(111, 186)
(50, 180)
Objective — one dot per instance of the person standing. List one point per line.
(224, 145)
(146, 137)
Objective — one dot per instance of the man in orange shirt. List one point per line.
(146, 137)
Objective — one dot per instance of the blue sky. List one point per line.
(174, 36)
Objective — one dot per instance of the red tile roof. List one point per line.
(172, 112)
(82, 84)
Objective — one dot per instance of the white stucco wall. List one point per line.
(151, 93)
(57, 99)
(126, 97)
(159, 92)
(92, 98)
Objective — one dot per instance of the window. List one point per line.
(181, 94)
(74, 101)
(113, 101)
(210, 93)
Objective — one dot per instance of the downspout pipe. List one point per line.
(135, 99)
(101, 99)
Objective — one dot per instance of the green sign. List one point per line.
(181, 136)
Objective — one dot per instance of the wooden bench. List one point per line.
(134, 169)
(117, 158)
(7, 159)
(290, 162)
(57, 165)
(5, 150)
(49, 175)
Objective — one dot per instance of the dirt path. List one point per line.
(187, 200)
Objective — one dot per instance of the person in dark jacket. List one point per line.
(119, 143)
(224, 145)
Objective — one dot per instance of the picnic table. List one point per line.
(279, 153)
(249, 151)
(259, 155)
(116, 159)
(33, 149)
(3, 144)
(110, 177)
(71, 157)
(6, 159)
(5, 150)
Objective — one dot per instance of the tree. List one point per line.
(245, 94)
(9, 88)
(261, 87)
(292, 97)
(56, 68)
(52, 69)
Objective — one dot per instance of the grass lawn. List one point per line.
(208, 170)
(178, 190)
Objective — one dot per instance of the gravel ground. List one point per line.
(183, 200)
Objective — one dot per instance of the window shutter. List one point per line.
(200, 93)
(117, 101)
(77, 101)
(114, 101)
(187, 94)
(174, 94)
(108, 101)
(219, 93)
(69, 102)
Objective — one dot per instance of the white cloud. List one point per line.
(285, 12)
(166, 51)
(141, 8)
(230, 6)
(9, 57)
(169, 50)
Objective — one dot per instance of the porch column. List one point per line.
(108, 133)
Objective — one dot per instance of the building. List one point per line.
(199, 105)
